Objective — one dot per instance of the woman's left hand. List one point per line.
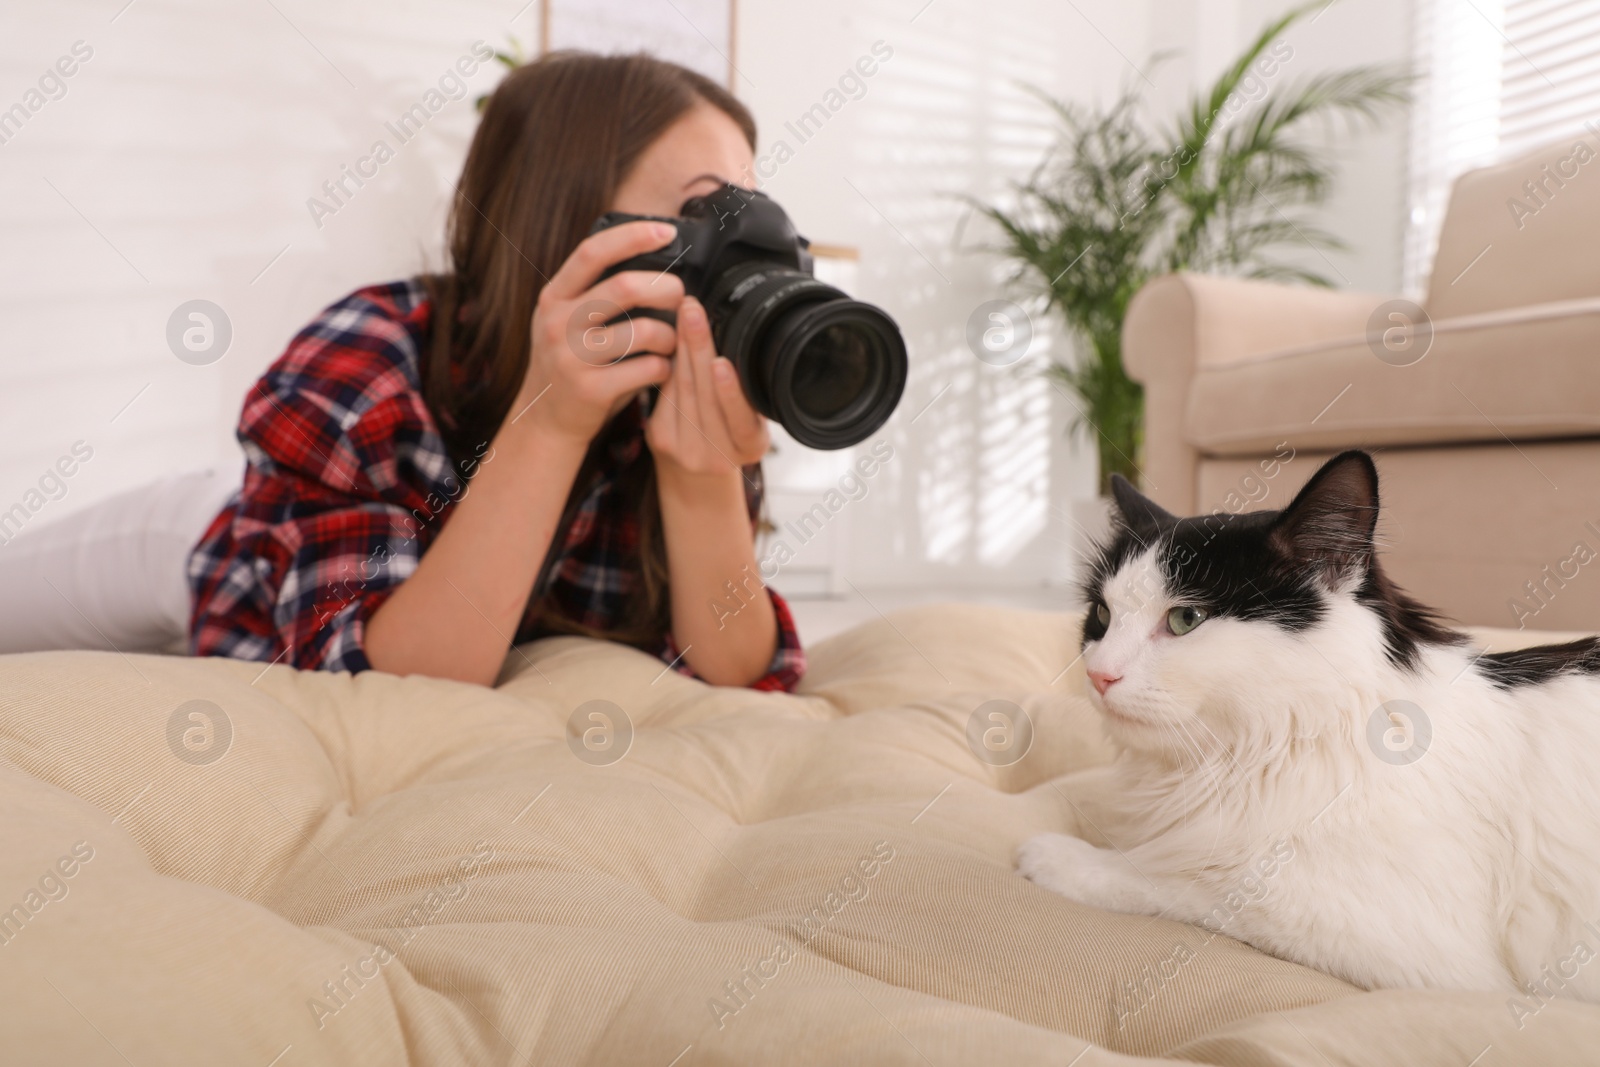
(702, 432)
(702, 423)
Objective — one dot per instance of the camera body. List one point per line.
(828, 368)
(716, 232)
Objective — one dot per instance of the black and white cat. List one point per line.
(1311, 762)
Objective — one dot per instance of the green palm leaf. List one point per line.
(1114, 204)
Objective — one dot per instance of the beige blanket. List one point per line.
(207, 863)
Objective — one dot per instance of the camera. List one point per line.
(829, 369)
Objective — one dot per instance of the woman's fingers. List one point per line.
(650, 335)
(601, 346)
(569, 322)
(636, 289)
(662, 431)
(745, 424)
(631, 375)
(738, 432)
(685, 368)
(601, 250)
(680, 427)
(695, 334)
(703, 422)
(677, 396)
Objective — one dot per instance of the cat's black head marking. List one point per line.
(1280, 567)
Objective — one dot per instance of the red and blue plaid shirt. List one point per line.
(347, 482)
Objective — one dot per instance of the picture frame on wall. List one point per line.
(700, 34)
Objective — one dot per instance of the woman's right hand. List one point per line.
(455, 615)
(577, 374)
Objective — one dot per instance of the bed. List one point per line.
(601, 862)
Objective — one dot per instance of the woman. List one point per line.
(442, 467)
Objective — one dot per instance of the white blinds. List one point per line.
(1497, 78)
(1550, 82)
(1456, 116)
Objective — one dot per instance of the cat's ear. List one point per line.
(1137, 512)
(1331, 521)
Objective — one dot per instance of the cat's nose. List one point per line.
(1103, 681)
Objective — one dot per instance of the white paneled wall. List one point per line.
(177, 166)
(977, 493)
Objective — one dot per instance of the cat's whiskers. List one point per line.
(1179, 805)
(1183, 778)
(1202, 763)
(1227, 785)
(1218, 793)
(1225, 790)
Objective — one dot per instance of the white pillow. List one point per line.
(111, 576)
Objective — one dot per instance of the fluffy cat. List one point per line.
(1313, 763)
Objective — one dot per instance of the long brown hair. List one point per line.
(558, 136)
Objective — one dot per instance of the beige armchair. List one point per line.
(1488, 444)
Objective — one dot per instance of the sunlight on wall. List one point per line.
(987, 454)
(179, 166)
(1013, 500)
(1456, 123)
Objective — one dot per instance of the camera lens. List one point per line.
(834, 368)
(828, 368)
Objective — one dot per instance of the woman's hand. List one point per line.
(702, 423)
(577, 374)
(702, 432)
(455, 616)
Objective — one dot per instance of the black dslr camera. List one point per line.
(828, 368)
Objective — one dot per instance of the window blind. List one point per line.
(1550, 81)
(1496, 78)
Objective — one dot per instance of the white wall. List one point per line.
(978, 493)
(184, 152)
(179, 163)
(1367, 207)
(981, 490)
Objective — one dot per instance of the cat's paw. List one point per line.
(1098, 877)
(1060, 863)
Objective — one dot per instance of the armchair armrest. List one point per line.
(1181, 322)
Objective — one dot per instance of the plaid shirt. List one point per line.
(347, 482)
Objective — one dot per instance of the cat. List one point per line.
(1312, 762)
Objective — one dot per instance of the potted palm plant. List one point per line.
(1116, 203)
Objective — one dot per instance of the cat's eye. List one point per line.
(1181, 620)
(1102, 614)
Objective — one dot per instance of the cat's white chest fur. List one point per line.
(1371, 893)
